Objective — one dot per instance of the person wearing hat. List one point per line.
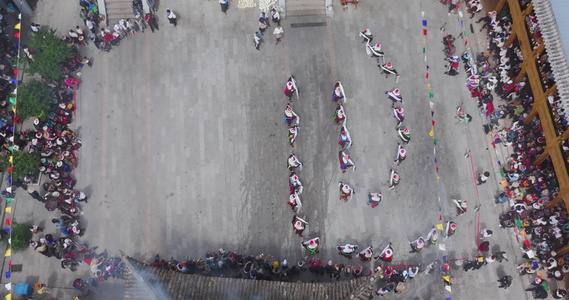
(339, 115)
(366, 35)
(366, 254)
(289, 89)
(388, 69)
(338, 93)
(404, 134)
(35, 194)
(294, 202)
(483, 177)
(394, 179)
(347, 250)
(559, 293)
(399, 115)
(433, 237)
(401, 154)
(345, 162)
(292, 133)
(462, 206)
(294, 183)
(376, 51)
(312, 245)
(484, 246)
(386, 254)
(394, 96)
(345, 140)
(345, 192)
(505, 281)
(557, 275)
(374, 199)
(417, 245)
(291, 118)
(298, 225)
(293, 162)
(451, 229)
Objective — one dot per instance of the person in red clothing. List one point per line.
(151, 20)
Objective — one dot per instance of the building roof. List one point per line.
(145, 282)
(555, 32)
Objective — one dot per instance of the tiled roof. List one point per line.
(145, 282)
(555, 50)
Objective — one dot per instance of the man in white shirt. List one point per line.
(278, 32)
(171, 17)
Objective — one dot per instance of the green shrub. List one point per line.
(21, 236)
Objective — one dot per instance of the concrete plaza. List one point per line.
(185, 147)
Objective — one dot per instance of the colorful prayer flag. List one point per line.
(431, 94)
(432, 132)
(8, 221)
(17, 26)
(440, 226)
(7, 274)
(8, 253)
(8, 200)
(424, 22)
(8, 297)
(8, 209)
(435, 141)
(12, 100)
(427, 75)
(424, 31)
(433, 122)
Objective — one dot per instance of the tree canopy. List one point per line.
(51, 51)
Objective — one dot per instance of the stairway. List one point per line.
(118, 9)
(305, 8)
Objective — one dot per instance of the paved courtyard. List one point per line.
(185, 147)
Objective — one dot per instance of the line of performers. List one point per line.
(292, 120)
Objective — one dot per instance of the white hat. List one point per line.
(400, 110)
(345, 188)
(420, 243)
(378, 46)
(396, 92)
(388, 253)
(396, 177)
(36, 121)
(298, 225)
(463, 203)
(341, 112)
(453, 226)
(406, 131)
(388, 65)
(402, 152)
(294, 177)
(289, 85)
(288, 111)
(292, 130)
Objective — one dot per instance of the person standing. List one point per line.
(276, 17)
(172, 17)
(278, 32)
(151, 20)
(345, 192)
(35, 27)
(263, 25)
(265, 18)
(505, 281)
(258, 40)
(483, 177)
(224, 4)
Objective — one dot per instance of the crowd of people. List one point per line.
(527, 189)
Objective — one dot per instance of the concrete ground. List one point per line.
(185, 147)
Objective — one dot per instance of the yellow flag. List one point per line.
(429, 86)
(18, 26)
(8, 297)
(440, 226)
(11, 159)
(8, 210)
(8, 252)
(14, 109)
(446, 278)
(432, 132)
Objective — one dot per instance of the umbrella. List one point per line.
(51, 203)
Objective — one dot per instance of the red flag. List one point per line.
(8, 221)
(424, 31)
(10, 263)
(493, 145)
(10, 169)
(437, 169)
(17, 35)
(16, 72)
(440, 217)
(433, 122)
(427, 75)
(465, 41)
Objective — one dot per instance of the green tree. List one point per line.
(51, 51)
(20, 237)
(34, 98)
(25, 164)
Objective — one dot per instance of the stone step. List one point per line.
(305, 7)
